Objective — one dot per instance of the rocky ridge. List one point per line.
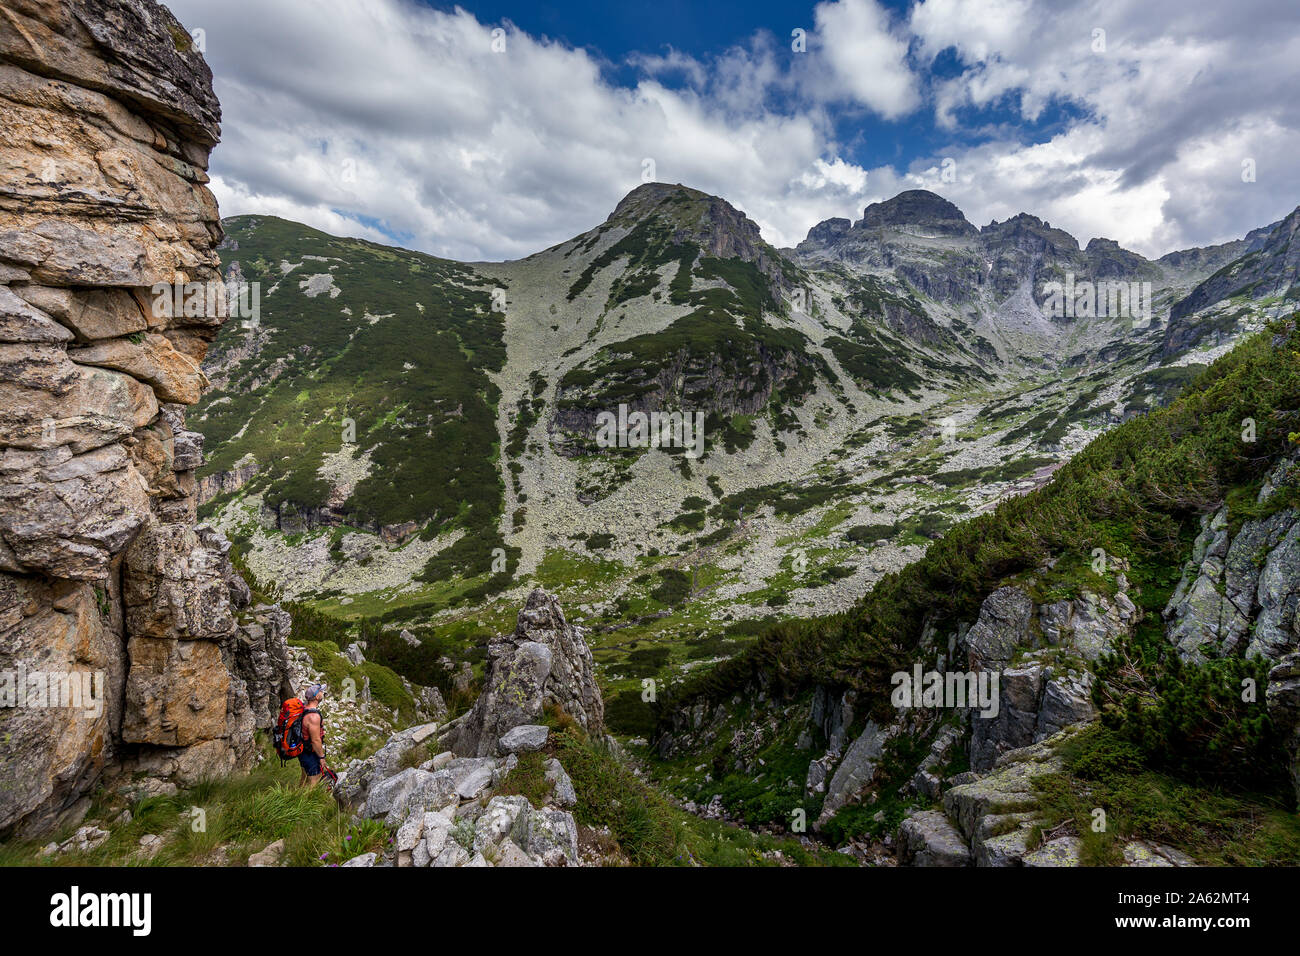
(1270, 267)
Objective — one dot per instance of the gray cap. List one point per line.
(314, 691)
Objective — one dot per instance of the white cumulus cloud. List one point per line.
(388, 118)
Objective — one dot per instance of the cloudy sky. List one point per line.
(493, 130)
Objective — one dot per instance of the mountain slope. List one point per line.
(1273, 268)
(1265, 278)
(363, 396)
(1061, 592)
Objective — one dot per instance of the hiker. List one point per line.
(312, 758)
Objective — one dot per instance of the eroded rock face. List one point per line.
(858, 768)
(1038, 699)
(109, 118)
(1240, 595)
(1041, 653)
(997, 819)
(50, 756)
(1001, 629)
(545, 661)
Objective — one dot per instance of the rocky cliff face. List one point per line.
(1239, 596)
(105, 582)
(1040, 653)
(1267, 271)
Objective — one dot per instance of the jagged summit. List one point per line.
(1212, 257)
(1101, 244)
(1023, 228)
(901, 235)
(921, 214)
(913, 210)
(917, 208)
(1107, 259)
(829, 230)
(650, 197)
(718, 227)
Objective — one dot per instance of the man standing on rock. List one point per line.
(312, 759)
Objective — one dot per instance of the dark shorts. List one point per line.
(310, 763)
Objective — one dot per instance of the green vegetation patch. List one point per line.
(411, 384)
(1107, 770)
(1137, 492)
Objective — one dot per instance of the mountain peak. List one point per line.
(1026, 230)
(1099, 244)
(712, 223)
(917, 208)
(650, 197)
(654, 218)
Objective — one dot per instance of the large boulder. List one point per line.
(357, 779)
(411, 790)
(1007, 789)
(929, 839)
(1001, 629)
(526, 738)
(1088, 625)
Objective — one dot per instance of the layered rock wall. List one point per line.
(107, 119)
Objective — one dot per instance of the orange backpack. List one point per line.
(288, 737)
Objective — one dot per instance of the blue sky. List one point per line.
(616, 34)
(615, 30)
(411, 122)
